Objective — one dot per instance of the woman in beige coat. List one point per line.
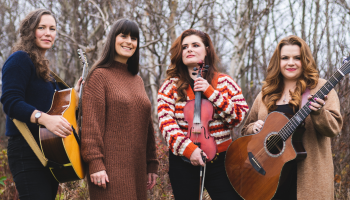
(292, 69)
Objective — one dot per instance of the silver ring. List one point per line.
(324, 103)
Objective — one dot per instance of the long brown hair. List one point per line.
(273, 87)
(179, 70)
(109, 53)
(27, 43)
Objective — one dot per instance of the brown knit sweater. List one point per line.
(117, 133)
(315, 173)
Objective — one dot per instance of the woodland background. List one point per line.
(244, 32)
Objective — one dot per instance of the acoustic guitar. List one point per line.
(255, 163)
(64, 152)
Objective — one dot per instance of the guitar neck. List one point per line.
(81, 85)
(299, 117)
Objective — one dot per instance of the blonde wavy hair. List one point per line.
(273, 87)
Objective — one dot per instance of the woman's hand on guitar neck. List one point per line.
(78, 85)
(196, 157)
(318, 104)
(100, 178)
(57, 124)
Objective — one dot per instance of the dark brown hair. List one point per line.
(27, 43)
(109, 53)
(179, 70)
(273, 87)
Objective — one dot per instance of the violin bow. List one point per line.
(202, 174)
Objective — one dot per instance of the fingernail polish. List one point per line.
(315, 99)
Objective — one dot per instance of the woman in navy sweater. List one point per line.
(27, 91)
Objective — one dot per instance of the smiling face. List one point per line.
(125, 46)
(290, 63)
(45, 33)
(193, 50)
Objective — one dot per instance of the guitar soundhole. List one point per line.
(274, 144)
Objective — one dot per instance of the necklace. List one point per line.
(284, 100)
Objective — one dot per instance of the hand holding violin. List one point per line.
(200, 84)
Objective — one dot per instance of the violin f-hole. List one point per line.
(206, 136)
(190, 132)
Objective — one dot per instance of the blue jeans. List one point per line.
(33, 180)
(184, 179)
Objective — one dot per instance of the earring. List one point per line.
(53, 45)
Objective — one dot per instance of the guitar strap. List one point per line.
(28, 136)
(59, 81)
(304, 97)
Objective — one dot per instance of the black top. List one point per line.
(286, 109)
(287, 188)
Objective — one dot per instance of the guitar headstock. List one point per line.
(83, 59)
(345, 68)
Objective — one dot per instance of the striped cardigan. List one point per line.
(230, 110)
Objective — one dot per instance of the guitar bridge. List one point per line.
(256, 165)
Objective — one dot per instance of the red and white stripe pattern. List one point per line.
(230, 110)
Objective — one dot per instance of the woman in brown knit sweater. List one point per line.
(292, 69)
(118, 142)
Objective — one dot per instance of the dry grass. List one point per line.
(78, 190)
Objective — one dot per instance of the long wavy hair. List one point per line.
(27, 43)
(109, 52)
(273, 87)
(178, 69)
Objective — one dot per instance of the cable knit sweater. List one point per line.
(117, 133)
(230, 109)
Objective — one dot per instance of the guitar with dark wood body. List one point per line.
(255, 163)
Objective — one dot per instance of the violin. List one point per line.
(198, 113)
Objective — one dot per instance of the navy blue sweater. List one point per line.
(23, 92)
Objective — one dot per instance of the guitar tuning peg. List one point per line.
(344, 59)
(194, 73)
(205, 70)
(195, 68)
(206, 67)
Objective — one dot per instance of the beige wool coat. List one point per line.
(315, 174)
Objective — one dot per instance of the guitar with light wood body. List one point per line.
(65, 152)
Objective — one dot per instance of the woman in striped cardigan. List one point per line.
(230, 109)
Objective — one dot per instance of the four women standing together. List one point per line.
(118, 142)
